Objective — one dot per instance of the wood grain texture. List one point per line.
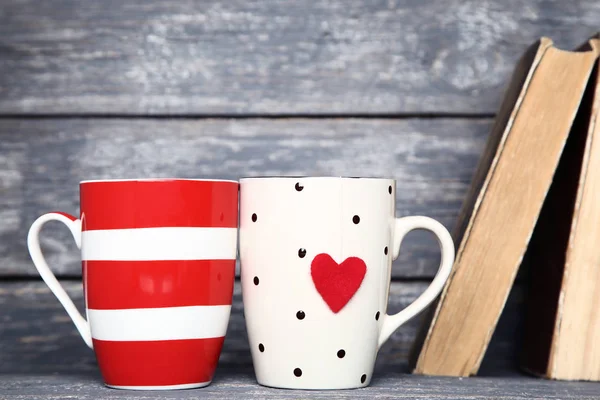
(260, 57)
(43, 160)
(43, 357)
(241, 384)
(37, 336)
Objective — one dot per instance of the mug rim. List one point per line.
(156, 180)
(288, 177)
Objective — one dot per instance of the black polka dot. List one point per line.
(298, 372)
(302, 253)
(363, 378)
(300, 315)
(254, 217)
(390, 189)
(256, 280)
(356, 219)
(385, 251)
(341, 353)
(261, 347)
(299, 187)
(377, 316)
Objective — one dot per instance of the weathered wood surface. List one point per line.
(233, 384)
(37, 336)
(263, 57)
(43, 357)
(43, 160)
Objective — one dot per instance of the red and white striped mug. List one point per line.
(158, 259)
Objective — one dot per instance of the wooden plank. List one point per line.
(241, 384)
(39, 338)
(42, 357)
(240, 57)
(42, 161)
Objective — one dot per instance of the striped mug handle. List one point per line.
(33, 243)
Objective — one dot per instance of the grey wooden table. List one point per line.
(148, 88)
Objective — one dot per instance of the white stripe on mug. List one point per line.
(159, 244)
(170, 323)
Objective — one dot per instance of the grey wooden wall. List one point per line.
(182, 88)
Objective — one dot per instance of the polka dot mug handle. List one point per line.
(402, 226)
(33, 243)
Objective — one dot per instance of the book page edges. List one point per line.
(592, 131)
(543, 46)
(591, 54)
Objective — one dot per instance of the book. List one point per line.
(562, 325)
(503, 204)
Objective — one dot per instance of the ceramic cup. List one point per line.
(158, 262)
(316, 257)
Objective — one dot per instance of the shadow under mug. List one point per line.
(316, 256)
(158, 258)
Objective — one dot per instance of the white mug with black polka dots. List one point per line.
(316, 258)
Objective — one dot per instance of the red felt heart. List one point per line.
(337, 283)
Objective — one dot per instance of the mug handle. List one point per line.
(402, 226)
(33, 243)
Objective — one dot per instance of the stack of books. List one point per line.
(536, 192)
